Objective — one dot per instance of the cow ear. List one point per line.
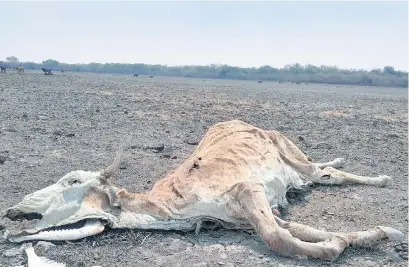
(108, 172)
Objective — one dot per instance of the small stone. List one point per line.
(156, 148)
(191, 142)
(174, 157)
(57, 133)
(393, 135)
(322, 145)
(123, 165)
(70, 135)
(43, 245)
(3, 158)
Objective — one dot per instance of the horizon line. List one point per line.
(217, 64)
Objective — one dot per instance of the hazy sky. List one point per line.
(347, 34)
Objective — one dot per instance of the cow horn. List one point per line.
(108, 172)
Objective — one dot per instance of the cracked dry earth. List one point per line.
(50, 125)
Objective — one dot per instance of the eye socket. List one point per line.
(75, 181)
(326, 177)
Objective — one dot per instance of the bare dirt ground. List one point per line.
(50, 125)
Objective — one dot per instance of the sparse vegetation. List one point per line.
(295, 73)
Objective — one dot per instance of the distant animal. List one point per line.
(151, 76)
(280, 82)
(297, 83)
(136, 75)
(260, 81)
(47, 71)
(3, 69)
(62, 70)
(19, 69)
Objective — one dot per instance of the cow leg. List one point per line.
(248, 201)
(332, 176)
(378, 235)
(336, 163)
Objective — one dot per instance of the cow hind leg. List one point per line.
(248, 201)
(378, 235)
(332, 176)
(336, 163)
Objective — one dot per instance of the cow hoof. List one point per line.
(384, 180)
(392, 233)
(332, 249)
(339, 162)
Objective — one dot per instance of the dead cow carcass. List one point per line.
(234, 178)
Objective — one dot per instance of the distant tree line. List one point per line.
(296, 73)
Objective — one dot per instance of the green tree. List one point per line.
(30, 65)
(387, 76)
(389, 70)
(13, 61)
(51, 63)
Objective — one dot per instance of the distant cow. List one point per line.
(136, 75)
(260, 81)
(3, 69)
(151, 76)
(46, 71)
(19, 69)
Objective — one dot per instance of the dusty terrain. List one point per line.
(50, 125)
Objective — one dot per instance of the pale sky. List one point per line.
(347, 34)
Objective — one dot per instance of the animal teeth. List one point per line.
(91, 227)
